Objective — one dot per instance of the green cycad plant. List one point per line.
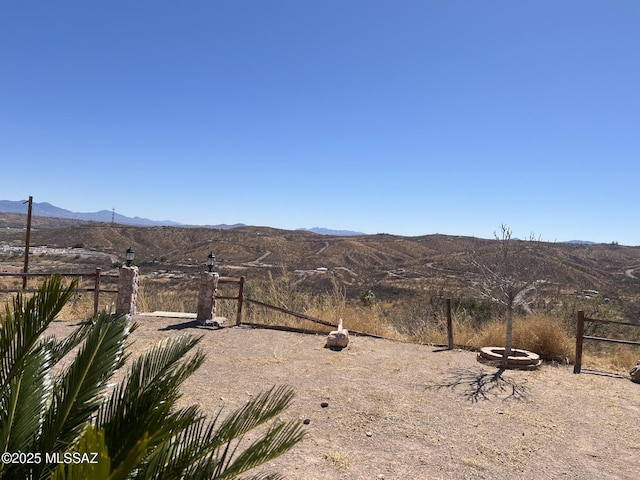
(62, 418)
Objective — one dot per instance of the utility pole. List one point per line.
(113, 215)
(27, 243)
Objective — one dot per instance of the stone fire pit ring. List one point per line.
(521, 359)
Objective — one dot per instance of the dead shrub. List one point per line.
(541, 334)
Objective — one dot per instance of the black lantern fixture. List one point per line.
(211, 261)
(129, 256)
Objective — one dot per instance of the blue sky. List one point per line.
(405, 117)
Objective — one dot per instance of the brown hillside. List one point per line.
(391, 265)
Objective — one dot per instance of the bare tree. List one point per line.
(508, 275)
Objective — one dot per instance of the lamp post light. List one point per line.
(129, 256)
(127, 286)
(211, 261)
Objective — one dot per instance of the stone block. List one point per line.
(338, 339)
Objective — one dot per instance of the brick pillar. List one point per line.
(207, 297)
(127, 291)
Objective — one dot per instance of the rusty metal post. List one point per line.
(27, 243)
(96, 292)
(579, 341)
(240, 300)
(449, 325)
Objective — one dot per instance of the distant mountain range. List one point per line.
(327, 231)
(45, 209)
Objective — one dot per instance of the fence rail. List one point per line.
(291, 312)
(239, 298)
(97, 275)
(580, 336)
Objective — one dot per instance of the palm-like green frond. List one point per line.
(206, 449)
(137, 430)
(276, 441)
(64, 346)
(98, 468)
(179, 450)
(77, 393)
(23, 325)
(218, 444)
(143, 403)
(24, 405)
(257, 411)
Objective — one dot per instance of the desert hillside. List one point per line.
(393, 266)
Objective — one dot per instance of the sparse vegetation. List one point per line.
(160, 294)
(338, 460)
(367, 297)
(507, 274)
(400, 408)
(411, 278)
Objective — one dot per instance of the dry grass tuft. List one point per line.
(330, 306)
(159, 294)
(424, 322)
(338, 460)
(619, 358)
(541, 334)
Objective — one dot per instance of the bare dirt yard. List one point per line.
(406, 411)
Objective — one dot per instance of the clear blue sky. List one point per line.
(404, 117)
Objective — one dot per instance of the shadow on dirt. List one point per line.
(479, 385)
(602, 373)
(189, 324)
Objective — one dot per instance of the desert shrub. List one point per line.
(419, 317)
(367, 297)
(335, 305)
(620, 358)
(167, 295)
(424, 318)
(330, 306)
(477, 311)
(541, 334)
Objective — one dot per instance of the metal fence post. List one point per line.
(449, 325)
(240, 300)
(96, 292)
(579, 341)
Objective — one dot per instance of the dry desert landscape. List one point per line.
(395, 410)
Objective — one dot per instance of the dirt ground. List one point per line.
(406, 411)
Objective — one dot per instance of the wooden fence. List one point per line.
(328, 324)
(580, 336)
(97, 287)
(239, 298)
(288, 312)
